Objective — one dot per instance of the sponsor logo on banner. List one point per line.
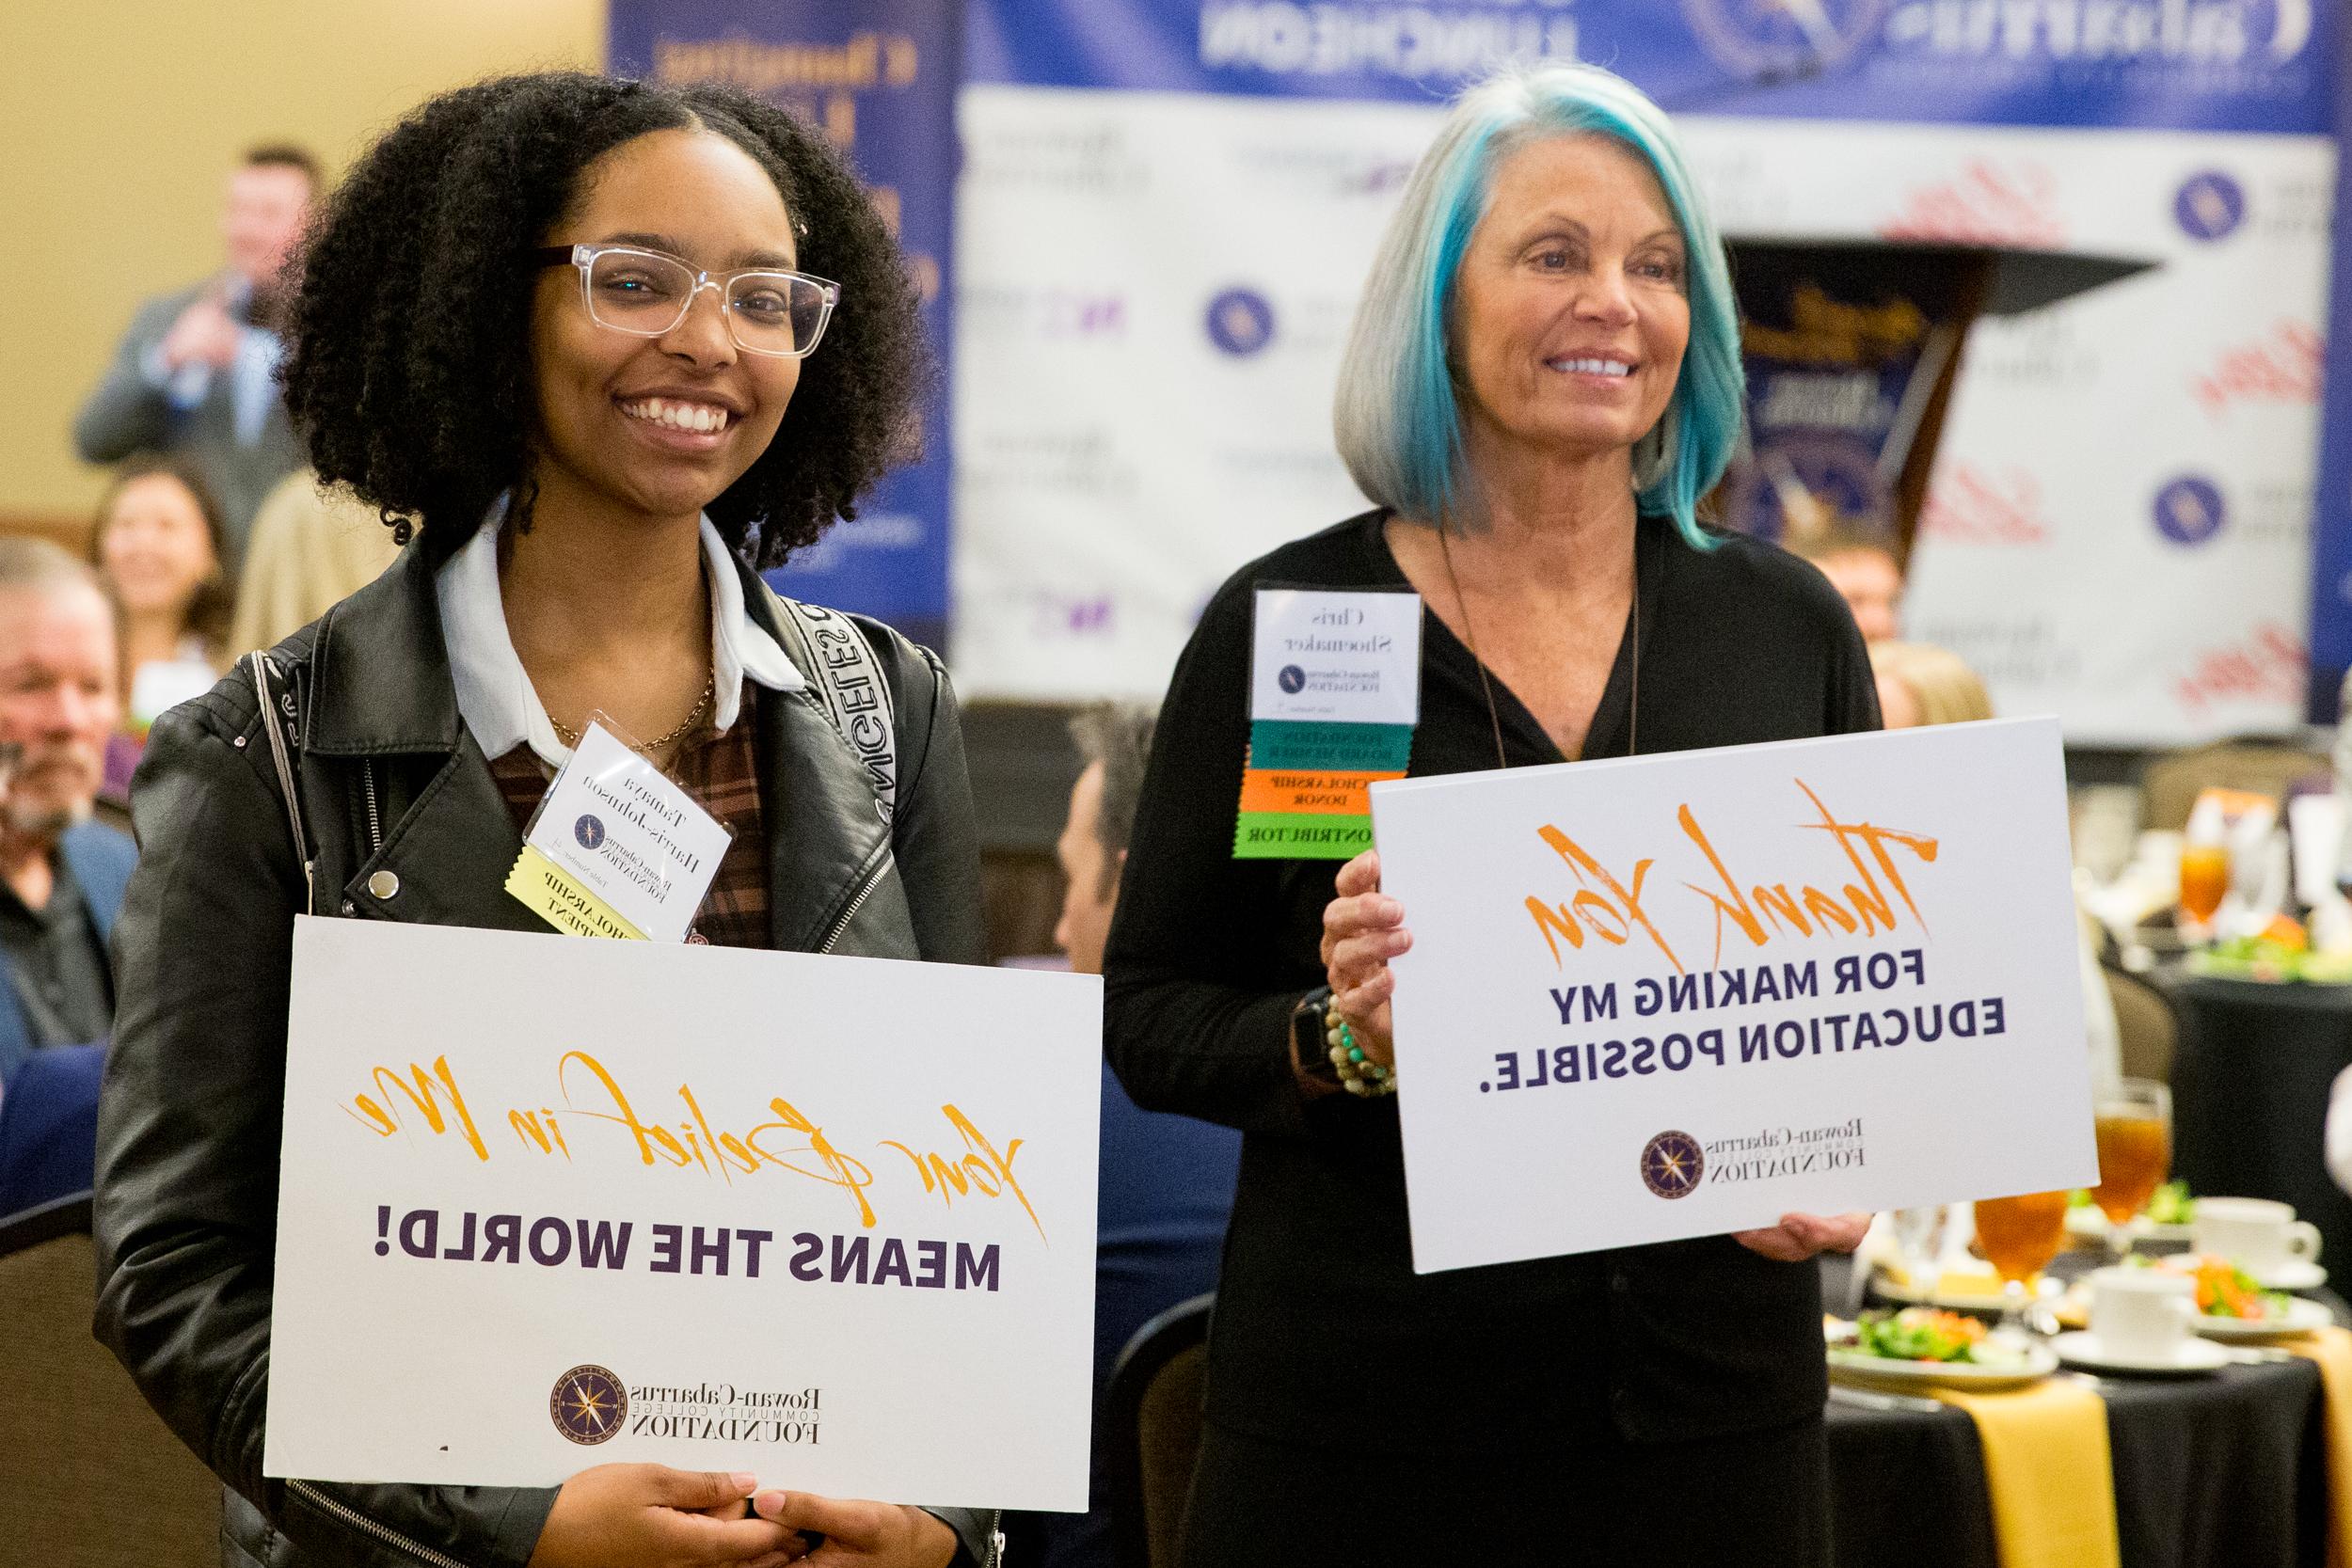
(2285, 367)
(1785, 40)
(2210, 205)
(1969, 506)
(1673, 1164)
(1293, 679)
(2269, 664)
(589, 1405)
(1779, 1151)
(589, 831)
(1984, 203)
(2191, 509)
(1240, 322)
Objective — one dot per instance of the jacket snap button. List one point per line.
(383, 885)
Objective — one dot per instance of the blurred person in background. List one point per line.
(1922, 684)
(1166, 1182)
(195, 376)
(1864, 569)
(157, 546)
(313, 546)
(1543, 380)
(552, 325)
(61, 875)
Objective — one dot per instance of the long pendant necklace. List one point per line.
(1485, 683)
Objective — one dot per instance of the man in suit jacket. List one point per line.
(61, 875)
(196, 373)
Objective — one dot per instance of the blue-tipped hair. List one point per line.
(1396, 416)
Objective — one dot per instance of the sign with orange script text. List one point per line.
(1672, 996)
(547, 1204)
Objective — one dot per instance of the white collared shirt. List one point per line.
(494, 693)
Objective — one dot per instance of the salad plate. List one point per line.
(1920, 1347)
(2190, 1355)
(2085, 1223)
(1962, 1299)
(2298, 1317)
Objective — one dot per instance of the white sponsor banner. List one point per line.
(1672, 996)
(579, 1201)
(1155, 288)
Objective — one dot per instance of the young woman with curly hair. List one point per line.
(502, 341)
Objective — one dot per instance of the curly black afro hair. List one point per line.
(426, 409)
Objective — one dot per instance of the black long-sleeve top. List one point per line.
(1324, 1334)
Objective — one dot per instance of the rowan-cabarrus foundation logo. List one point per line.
(588, 1405)
(1672, 1164)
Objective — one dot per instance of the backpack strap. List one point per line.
(281, 713)
(848, 682)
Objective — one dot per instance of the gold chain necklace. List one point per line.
(1470, 636)
(570, 737)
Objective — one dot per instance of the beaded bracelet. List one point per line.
(1357, 1074)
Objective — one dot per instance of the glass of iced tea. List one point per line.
(2204, 880)
(2019, 1236)
(2134, 1133)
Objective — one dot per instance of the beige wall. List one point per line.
(120, 121)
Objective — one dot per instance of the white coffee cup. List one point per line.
(2255, 1233)
(2142, 1314)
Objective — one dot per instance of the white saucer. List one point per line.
(2089, 1223)
(1848, 1365)
(2297, 1273)
(2302, 1317)
(2191, 1355)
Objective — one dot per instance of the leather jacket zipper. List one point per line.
(375, 823)
(874, 869)
(382, 1532)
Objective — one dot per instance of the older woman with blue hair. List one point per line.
(1543, 382)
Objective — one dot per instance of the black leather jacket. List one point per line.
(393, 782)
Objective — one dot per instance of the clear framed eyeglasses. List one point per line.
(645, 294)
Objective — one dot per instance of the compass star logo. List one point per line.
(1777, 40)
(1672, 1164)
(589, 1404)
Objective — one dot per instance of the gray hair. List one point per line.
(39, 565)
(1118, 736)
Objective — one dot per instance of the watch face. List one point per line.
(1672, 1164)
(588, 1405)
(1783, 37)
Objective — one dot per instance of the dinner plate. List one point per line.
(2191, 1356)
(2297, 1273)
(1954, 1301)
(2092, 1226)
(2302, 1317)
(1848, 1365)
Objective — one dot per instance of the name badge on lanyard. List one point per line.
(616, 850)
(1334, 693)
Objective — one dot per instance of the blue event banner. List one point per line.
(2207, 65)
(879, 78)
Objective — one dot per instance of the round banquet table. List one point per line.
(2250, 1096)
(2223, 1470)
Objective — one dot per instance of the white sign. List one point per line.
(1325, 657)
(1672, 996)
(618, 825)
(829, 1220)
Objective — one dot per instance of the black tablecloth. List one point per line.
(2250, 1097)
(2223, 1470)
(2226, 1470)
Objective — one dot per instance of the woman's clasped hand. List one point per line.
(1363, 929)
(652, 1516)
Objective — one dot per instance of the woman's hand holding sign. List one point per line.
(652, 1517)
(1363, 929)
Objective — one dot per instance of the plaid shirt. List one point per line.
(718, 772)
